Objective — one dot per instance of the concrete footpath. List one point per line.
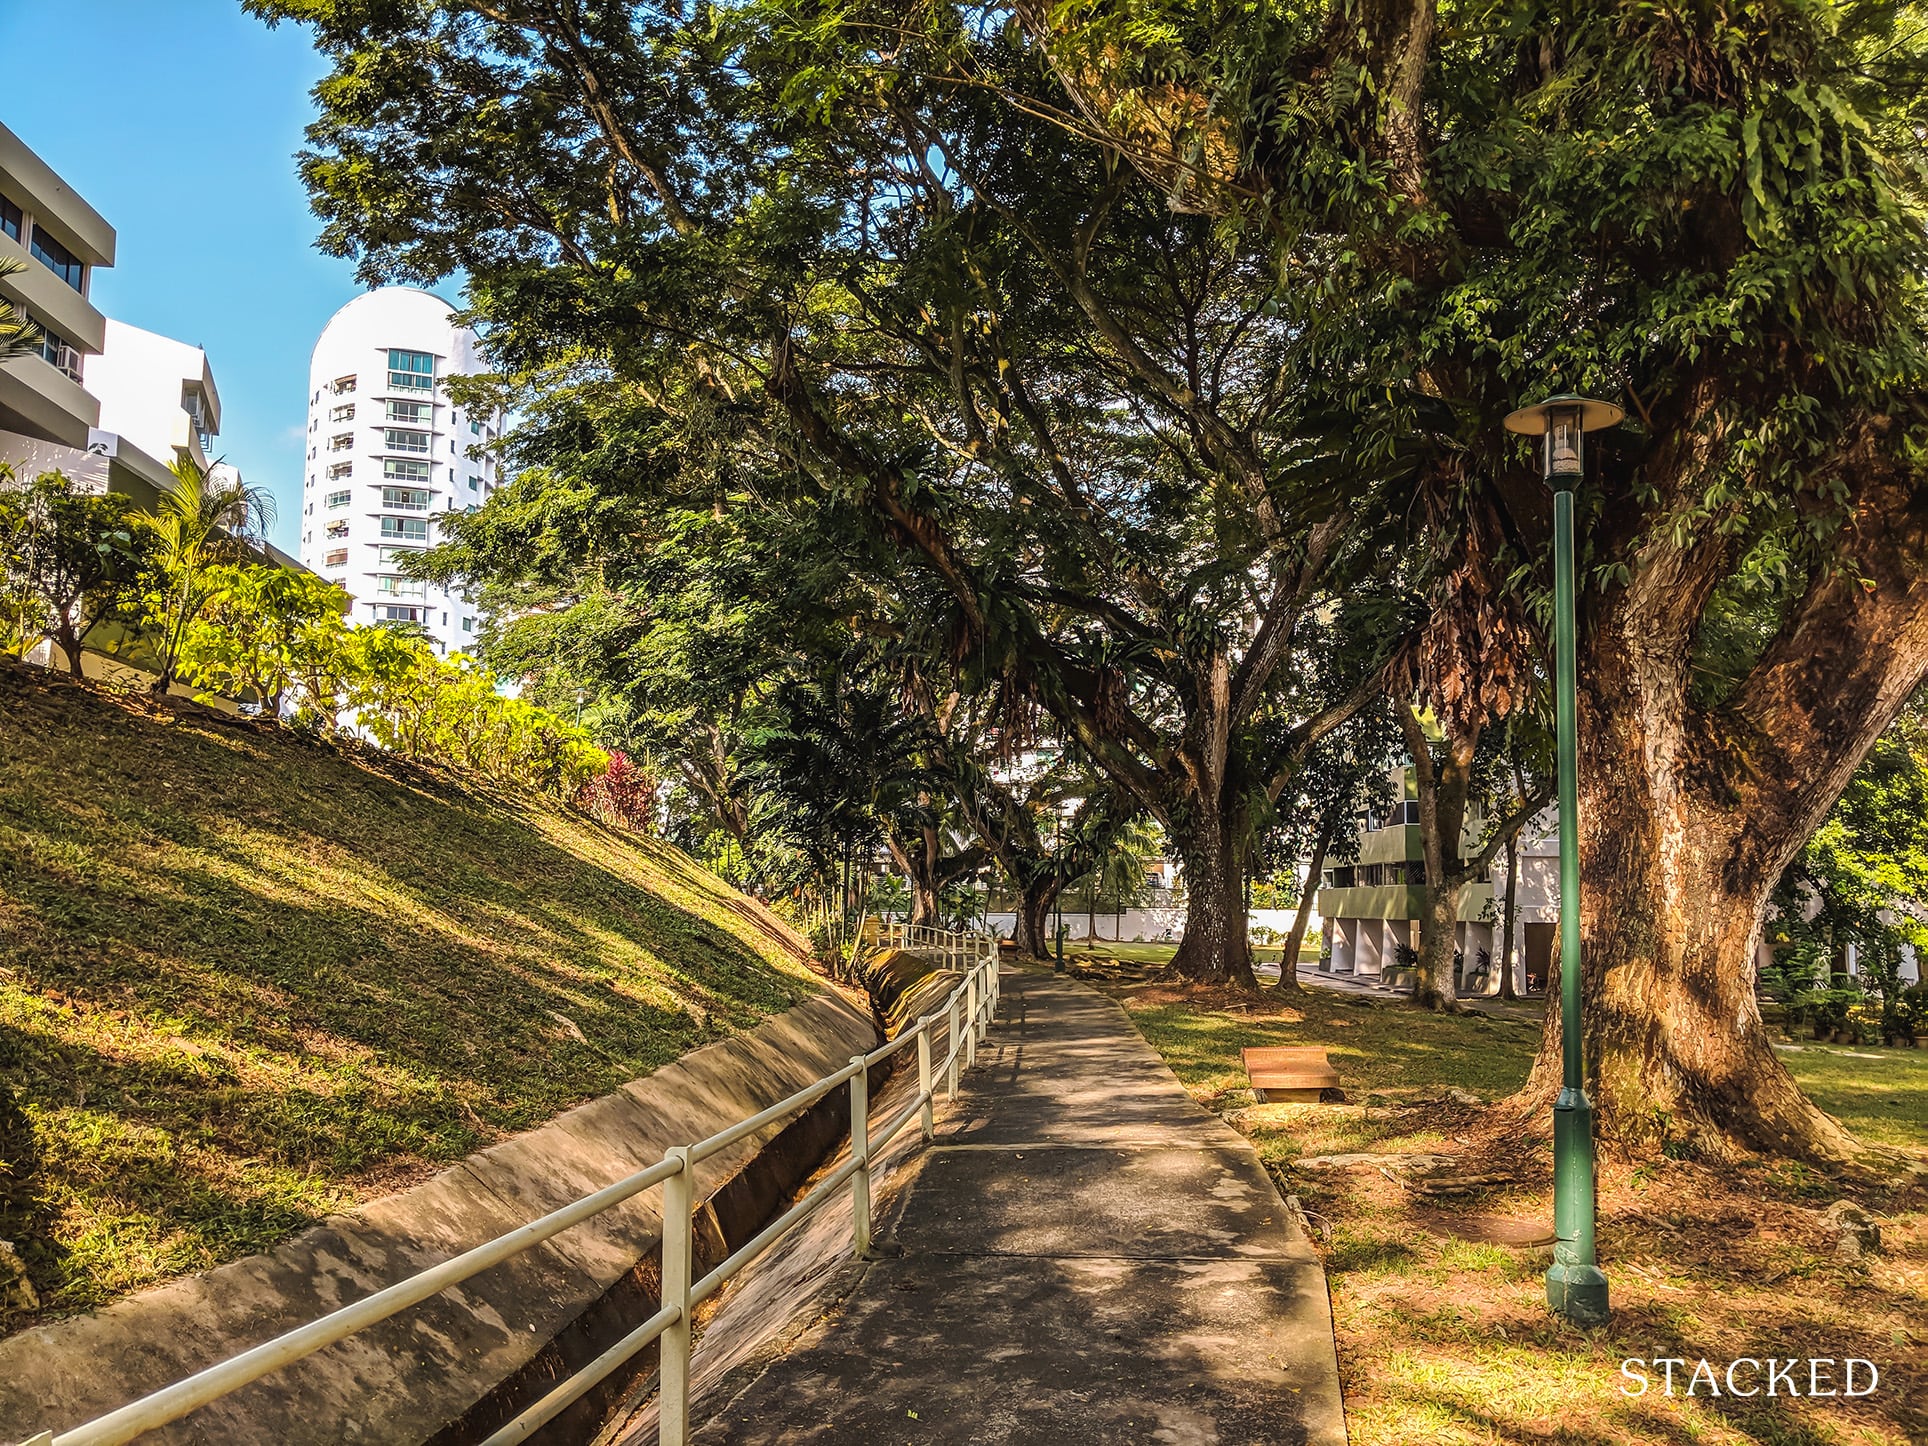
(1084, 1255)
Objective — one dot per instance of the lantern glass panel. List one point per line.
(1563, 443)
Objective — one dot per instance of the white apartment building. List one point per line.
(108, 404)
(155, 392)
(389, 454)
(58, 241)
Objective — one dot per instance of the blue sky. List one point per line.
(178, 120)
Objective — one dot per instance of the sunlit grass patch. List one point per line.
(246, 981)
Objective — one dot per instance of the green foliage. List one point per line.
(421, 706)
(1862, 880)
(179, 580)
(264, 631)
(19, 336)
(206, 517)
(872, 319)
(69, 561)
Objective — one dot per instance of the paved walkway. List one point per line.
(1085, 1255)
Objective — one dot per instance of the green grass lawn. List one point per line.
(1446, 1340)
(1131, 952)
(247, 980)
(1879, 1093)
(1883, 1098)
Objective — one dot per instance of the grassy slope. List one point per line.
(1447, 1341)
(247, 980)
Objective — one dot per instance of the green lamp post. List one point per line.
(1575, 1286)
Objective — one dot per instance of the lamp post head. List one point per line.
(1561, 422)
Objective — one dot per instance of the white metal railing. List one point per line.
(966, 1013)
(955, 947)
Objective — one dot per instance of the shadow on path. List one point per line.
(1083, 1255)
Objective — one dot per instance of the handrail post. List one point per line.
(924, 1074)
(950, 1069)
(673, 1392)
(860, 1152)
(970, 1031)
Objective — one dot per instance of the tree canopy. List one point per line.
(1154, 356)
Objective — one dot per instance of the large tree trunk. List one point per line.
(1445, 784)
(1676, 1050)
(1289, 960)
(916, 859)
(1214, 949)
(1034, 911)
(1688, 817)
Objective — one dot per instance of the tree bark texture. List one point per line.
(1214, 949)
(1445, 783)
(1034, 939)
(1689, 815)
(1509, 913)
(1289, 960)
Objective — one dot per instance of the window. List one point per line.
(337, 501)
(468, 625)
(342, 442)
(58, 259)
(401, 529)
(338, 557)
(412, 371)
(475, 484)
(475, 427)
(342, 414)
(10, 218)
(407, 499)
(397, 471)
(59, 353)
(337, 531)
(404, 587)
(338, 470)
(401, 441)
(342, 386)
(389, 556)
(390, 614)
(420, 413)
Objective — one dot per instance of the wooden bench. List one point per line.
(1289, 1073)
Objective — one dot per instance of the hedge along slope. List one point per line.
(247, 979)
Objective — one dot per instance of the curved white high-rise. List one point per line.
(389, 454)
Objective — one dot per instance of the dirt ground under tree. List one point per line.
(1446, 1339)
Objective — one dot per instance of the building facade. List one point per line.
(1371, 908)
(390, 454)
(156, 393)
(58, 241)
